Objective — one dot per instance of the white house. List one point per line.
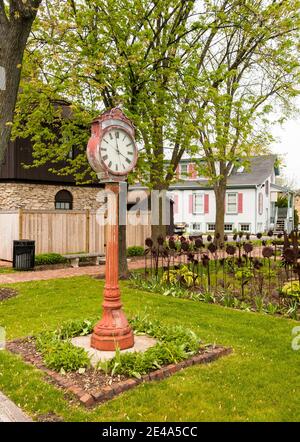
(250, 199)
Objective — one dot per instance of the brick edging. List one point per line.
(108, 392)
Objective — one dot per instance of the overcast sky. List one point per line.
(288, 145)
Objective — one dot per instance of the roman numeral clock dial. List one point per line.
(117, 150)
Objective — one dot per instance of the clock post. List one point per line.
(113, 330)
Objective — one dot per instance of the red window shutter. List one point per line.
(206, 203)
(191, 204)
(175, 204)
(240, 203)
(192, 171)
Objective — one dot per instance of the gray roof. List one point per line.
(256, 173)
(260, 168)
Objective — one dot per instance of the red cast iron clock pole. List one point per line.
(113, 330)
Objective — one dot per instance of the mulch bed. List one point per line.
(49, 417)
(92, 387)
(6, 293)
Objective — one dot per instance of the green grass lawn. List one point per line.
(7, 270)
(260, 381)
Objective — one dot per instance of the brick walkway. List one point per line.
(38, 275)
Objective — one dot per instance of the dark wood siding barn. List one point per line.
(20, 152)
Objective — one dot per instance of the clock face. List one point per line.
(117, 149)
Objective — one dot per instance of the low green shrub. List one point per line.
(174, 344)
(136, 364)
(135, 251)
(183, 276)
(78, 327)
(61, 355)
(292, 289)
(49, 258)
(65, 356)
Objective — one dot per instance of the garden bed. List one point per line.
(70, 367)
(7, 293)
(263, 278)
(92, 386)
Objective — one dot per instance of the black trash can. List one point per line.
(23, 254)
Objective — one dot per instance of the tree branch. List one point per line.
(25, 10)
(3, 16)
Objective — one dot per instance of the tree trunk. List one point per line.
(14, 32)
(220, 192)
(158, 230)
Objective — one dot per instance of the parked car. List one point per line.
(179, 228)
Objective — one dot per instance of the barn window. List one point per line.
(63, 200)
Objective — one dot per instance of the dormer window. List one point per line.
(183, 171)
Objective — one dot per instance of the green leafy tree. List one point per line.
(251, 78)
(147, 56)
(194, 76)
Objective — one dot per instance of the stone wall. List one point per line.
(42, 196)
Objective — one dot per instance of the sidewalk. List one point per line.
(38, 275)
(9, 412)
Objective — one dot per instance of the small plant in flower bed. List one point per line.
(175, 344)
(63, 355)
(226, 297)
(57, 350)
(184, 275)
(292, 289)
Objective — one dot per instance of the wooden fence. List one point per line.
(62, 231)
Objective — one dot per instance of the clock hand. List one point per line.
(122, 154)
(118, 151)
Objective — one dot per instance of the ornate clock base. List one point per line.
(113, 331)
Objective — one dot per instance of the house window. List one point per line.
(232, 202)
(211, 227)
(228, 227)
(183, 171)
(245, 227)
(259, 227)
(267, 188)
(196, 227)
(198, 203)
(63, 200)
